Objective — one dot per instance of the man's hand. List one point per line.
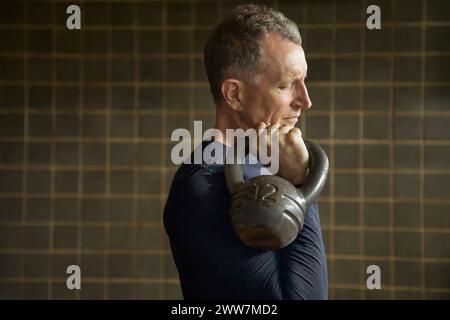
(294, 157)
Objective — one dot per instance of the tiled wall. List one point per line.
(86, 117)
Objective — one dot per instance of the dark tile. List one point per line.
(406, 156)
(437, 296)
(151, 98)
(36, 237)
(40, 97)
(376, 98)
(318, 127)
(121, 210)
(406, 185)
(11, 125)
(435, 68)
(377, 243)
(407, 295)
(66, 153)
(179, 41)
(376, 214)
(407, 98)
(385, 8)
(11, 237)
(37, 265)
(179, 13)
(122, 154)
(320, 97)
(150, 69)
(66, 181)
(436, 186)
(39, 69)
(348, 40)
(438, 10)
(319, 12)
(94, 209)
(149, 266)
(95, 69)
(10, 266)
(318, 41)
(38, 181)
(94, 126)
(346, 127)
(93, 265)
(95, 97)
(67, 69)
(150, 13)
(205, 12)
(40, 125)
(346, 213)
(347, 69)
(407, 39)
(60, 16)
(349, 12)
(35, 291)
(149, 182)
(178, 70)
(122, 69)
(376, 127)
(347, 294)
(437, 38)
(122, 126)
(177, 122)
(121, 182)
(12, 96)
(199, 71)
(319, 69)
(149, 210)
(120, 237)
(149, 153)
(65, 237)
(68, 97)
(437, 274)
(407, 244)
(149, 238)
(378, 40)
(346, 185)
(202, 99)
(40, 40)
(376, 156)
(93, 238)
(38, 209)
(200, 38)
(95, 13)
(347, 242)
(179, 97)
(408, 10)
(436, 127)
(12, 40)
(437, 244)
(406, 214)
(376, 185)
(407, 69)
(12, 12)
(122, 41)
(150, 126)
(94, 153)
(94, 181)
(95, 41)
(12, 68)
(348, 271)
(436, 97)
(67, 41)
(11, 153)
(436, 215)
(407, 127)
(173, 291)
(120, 291)
(67, 126)
(150, 41)
(377, 69)
(11, 181)
(346, 156)
(65, 209)
(11, 209)
(122, 97)
(347, 98)
(119, 266)
(122, 13)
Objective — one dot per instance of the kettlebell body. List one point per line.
(267, 212)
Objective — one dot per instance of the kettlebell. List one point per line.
(267, 212)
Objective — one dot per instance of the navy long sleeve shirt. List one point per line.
(214, 264)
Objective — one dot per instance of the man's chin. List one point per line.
(290, 122)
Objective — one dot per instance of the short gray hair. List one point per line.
(233, 49)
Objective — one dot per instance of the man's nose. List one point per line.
(301, 99)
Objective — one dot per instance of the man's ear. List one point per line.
(232, 91)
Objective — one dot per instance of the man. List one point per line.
(256, 68)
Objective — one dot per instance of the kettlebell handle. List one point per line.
(315, 181)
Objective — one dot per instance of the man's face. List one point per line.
(280, 93)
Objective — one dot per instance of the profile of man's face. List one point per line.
(279, 92)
